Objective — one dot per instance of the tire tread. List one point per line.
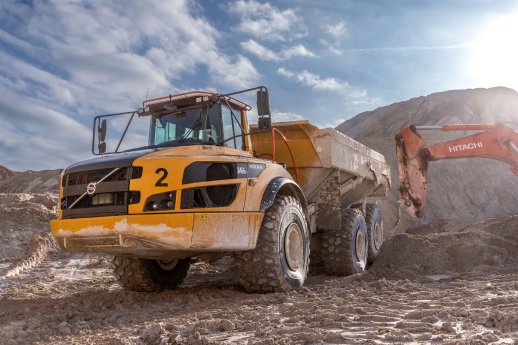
(259, 268)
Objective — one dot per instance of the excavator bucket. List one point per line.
(413, 167)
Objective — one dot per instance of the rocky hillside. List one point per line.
(5, 173)
(466, 189)
(31, 181)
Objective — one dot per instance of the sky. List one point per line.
(63, 62)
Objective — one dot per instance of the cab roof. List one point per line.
(195, 97)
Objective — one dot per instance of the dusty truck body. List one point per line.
(207, 185)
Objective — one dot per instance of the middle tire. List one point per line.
(280, 260)
(345, 251)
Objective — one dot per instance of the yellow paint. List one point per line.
(226, 231)
(299, 135)
(195, 231)
(175, 160)
(174, 230)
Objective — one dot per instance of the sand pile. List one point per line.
(480, 247)
(24, 223)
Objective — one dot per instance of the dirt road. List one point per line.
(446, 288)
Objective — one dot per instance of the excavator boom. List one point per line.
(494, 141)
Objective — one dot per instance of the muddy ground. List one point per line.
(431, 285)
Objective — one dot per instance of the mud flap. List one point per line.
(329, 210)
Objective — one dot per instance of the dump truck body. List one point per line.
(333, 170)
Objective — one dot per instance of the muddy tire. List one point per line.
(345, 251)
(137, 274)
(280, 260)
(374, 221)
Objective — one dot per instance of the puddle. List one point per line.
(5, 264)
(437, 277)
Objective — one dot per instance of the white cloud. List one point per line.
(264, 53)
(79, 58)
(314, 81)
(267, 22)
(298, 50)
(260, 51)
(352, 96)
(279, 116)
(338, 31)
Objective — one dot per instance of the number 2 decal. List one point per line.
(160, 182)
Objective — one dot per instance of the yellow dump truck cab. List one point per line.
(196, 190)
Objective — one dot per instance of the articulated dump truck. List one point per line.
(205, 184)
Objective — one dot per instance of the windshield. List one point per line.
(197, 126)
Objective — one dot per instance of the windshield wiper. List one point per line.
(185, 136)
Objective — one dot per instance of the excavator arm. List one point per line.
(495, 141)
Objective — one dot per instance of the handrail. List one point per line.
(289, 149)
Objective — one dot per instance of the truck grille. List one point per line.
(112, 196)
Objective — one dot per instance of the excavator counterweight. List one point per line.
(494, 141)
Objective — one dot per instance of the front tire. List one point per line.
(344, 251)
(280, 260)
(148, 275)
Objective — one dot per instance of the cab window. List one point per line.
(232, 132)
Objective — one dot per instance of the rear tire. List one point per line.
(374, 221)
(345, 251)
(280, 260)
(148, 275)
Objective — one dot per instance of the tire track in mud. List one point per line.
(41, 246)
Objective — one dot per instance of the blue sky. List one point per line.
(61, 62)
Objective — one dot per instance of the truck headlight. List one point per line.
(161, 202)
(102, 199)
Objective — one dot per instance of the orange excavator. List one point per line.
(494, 141)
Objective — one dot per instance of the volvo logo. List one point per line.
(90, 189)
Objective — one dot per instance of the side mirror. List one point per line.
(263, 110)
(101, 130)
(102, 147)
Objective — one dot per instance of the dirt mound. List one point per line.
(24, 223)
(5, 173)
(469, 189)
(480, 247)
(31, 182)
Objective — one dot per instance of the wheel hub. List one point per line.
(293, 246)
(378, 235)
(166, 264)
(361, 248)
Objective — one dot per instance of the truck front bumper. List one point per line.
(159, 235)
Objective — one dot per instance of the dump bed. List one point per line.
(324, 155)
